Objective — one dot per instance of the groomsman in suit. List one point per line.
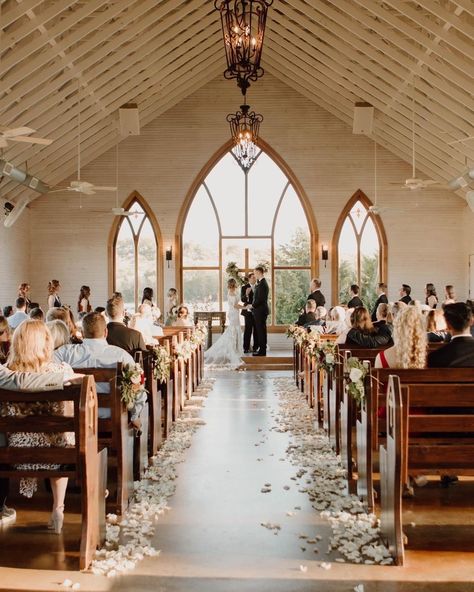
(382, 299)
(260, 310)
(405, 292)
(459, 352)
(316, 293)
(246, 296)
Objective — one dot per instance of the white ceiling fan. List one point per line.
(415, 183)
(81, 186)
(20, 134)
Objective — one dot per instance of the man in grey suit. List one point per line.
(23, 381)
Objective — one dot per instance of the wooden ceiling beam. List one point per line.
(18, 12)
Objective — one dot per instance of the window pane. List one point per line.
(358, 213)
(347, 250)
(226, 183)
(147, 260)
(125, 265)
(201, 289)
(369, 263)
(260, 251)
(291, 291)
(233, 250)
(201, 248)
(292, 237)
(137, 219)
(266, 182)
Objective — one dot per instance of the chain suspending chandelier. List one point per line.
(244, 127)
(243, 29)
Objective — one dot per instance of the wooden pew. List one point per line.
(117, 436)
(430, 430)
(81, 462)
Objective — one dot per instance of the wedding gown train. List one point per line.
(227, 351)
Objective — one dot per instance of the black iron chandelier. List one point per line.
(244, 128)
(243, 29)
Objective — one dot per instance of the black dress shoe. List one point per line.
(246, 351)
(259, 354)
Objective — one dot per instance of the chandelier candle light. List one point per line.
(244, 128)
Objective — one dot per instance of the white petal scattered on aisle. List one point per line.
(128, 541)
(355, 533)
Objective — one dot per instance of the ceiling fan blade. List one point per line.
(17, 131)
(102, 188)
(30, 140)
(3, 142)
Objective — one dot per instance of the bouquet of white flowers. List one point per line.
(184, 350)
(161, 363)
(132, 384)
(356, 372)
(325, 354)
(200, 333)
(299, 334)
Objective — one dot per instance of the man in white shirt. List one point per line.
(19, 315)
(95, 352)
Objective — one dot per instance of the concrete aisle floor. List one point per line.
(212, 539)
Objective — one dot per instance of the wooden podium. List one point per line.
(208, 317)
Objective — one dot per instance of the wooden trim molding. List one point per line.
(359, 195)
(313, 229)
(113, 234)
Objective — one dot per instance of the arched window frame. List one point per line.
(308, 211)
(133, 198)
(359, 196)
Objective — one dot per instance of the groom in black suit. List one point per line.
(260, 310)
(246, 296)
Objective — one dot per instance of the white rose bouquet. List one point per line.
(184, 350)
(326, 354)
(132, 384)
(161, 363)
(355, 375)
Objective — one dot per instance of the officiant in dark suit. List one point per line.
(246, 296)
(260, 310)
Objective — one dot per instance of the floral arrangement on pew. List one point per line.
(354, 375)
(326, 354)
(200, 334)
(184, 350)
(299, 334)
(161, 363)
(132, 384)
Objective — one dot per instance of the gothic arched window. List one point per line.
(135, 251)
(247, 217)
(361, 251)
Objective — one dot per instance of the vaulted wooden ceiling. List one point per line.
(155, 53)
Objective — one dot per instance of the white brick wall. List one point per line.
(429, 243)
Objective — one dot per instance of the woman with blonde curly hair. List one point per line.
(409, 336)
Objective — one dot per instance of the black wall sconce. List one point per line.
(325, 254)
(169, 255)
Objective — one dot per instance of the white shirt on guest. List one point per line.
(15, 319)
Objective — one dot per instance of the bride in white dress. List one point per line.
(227, 351)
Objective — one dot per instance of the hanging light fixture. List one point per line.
(244, 128)
(243, 29)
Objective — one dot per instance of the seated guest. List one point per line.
(459, 352)
(19, 315)
(363, 334)
(381, 299)
(309, 314)
(355, 301)
(383, 315)
(95, 352)
(59, 332)
(23, 291)
(183, 319)
(143, 321)
(337, 321)
(316, 293)
(83, 304)
(171, 306)
(64, 314)
(32, 351)
(7, 311)
(322, 313)
(405, 292)
(396, 308)
(117, 333)
(436, 330)
(5, 337)
(431, 298)
(449, 294)
(37, 314)
(470, 304)
(409, 338)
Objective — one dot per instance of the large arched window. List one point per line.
(135, 252)
(248, 217)
(361, 251)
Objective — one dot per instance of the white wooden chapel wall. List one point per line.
(425, 244)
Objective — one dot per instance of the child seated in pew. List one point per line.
(32, 351)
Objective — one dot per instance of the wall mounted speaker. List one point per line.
(129, 120)
(470, 199)
(363, 119)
